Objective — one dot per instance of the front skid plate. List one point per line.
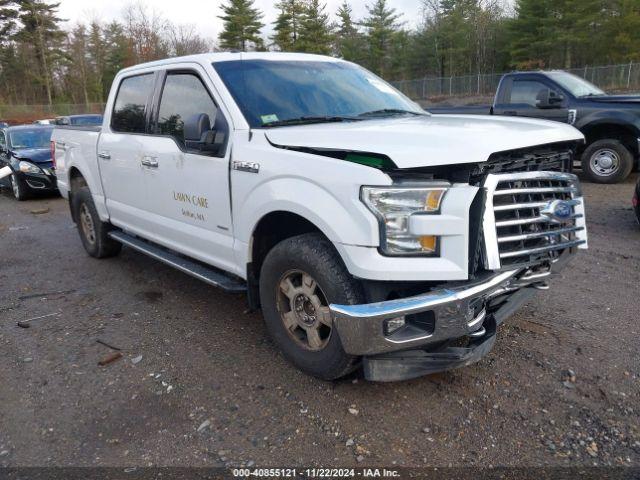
(396, 366)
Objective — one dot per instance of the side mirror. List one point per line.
(548, 98)
(198, 134)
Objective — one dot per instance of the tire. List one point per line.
(93, 232)
(607, 161)
(297, 260)
(19, 188)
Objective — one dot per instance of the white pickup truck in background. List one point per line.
(368, 231)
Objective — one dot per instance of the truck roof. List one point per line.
(205, 58)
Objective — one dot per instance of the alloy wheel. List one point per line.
(87, 225)
(15, 187)
(304, 310)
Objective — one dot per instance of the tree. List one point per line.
(381, 27)
(287, 25)
(242, 26)
(184, 40)
(41, 30)
(8, 17)
(146, 31)
(349, 43)
(315, 31)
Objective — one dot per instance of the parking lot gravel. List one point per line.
(198, 383)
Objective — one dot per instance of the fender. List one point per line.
(609, 117)
(342, 223)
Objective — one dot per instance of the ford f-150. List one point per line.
(369, 232)
(610, 123)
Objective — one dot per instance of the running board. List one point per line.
(207, 274)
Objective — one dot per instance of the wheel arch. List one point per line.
(76, 181)
(271, 229)
(628, 134)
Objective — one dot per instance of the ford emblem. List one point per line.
(558, 211)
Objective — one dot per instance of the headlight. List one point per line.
(27, 167)
(393, 206)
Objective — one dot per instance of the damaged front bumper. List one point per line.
(431, 321)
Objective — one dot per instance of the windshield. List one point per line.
(30, 137)
(274, 92)
(577, 86)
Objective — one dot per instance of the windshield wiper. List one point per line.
(389, 111)
(309, 120)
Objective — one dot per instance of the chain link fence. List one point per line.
(623, 77)
(608, 77)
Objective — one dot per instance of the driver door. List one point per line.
(524, 101)
(188, 189)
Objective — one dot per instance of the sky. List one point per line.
(203, 13)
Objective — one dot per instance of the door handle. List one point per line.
(151, 162)
(104, 155)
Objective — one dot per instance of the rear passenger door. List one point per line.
(120, 150)
(189, 188)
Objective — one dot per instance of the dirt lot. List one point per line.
(210, 389)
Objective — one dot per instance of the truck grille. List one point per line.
(531, 218)
(548, 158)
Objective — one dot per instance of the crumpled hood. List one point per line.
(35, 155)
(430, 140)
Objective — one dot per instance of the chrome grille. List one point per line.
(520, 225)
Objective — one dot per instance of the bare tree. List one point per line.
(146, 30)
(185, 40)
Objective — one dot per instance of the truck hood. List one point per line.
(615, 99)
(35, 155)
(429, 140)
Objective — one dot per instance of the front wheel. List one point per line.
(299, 278)
(19, 189)
(607, 161)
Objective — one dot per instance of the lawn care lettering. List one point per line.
(195, 200)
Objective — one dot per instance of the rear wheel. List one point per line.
(607, 161)
(299, 278)
(20, 190)
(94, 233)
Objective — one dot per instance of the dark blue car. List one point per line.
(26, 150)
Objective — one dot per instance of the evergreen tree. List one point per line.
(242, 26)
(315, 30)
(8, 16)
(41, 30)
(381, 28)
(349, 43)
(288, 24)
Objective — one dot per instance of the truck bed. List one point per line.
(465, 110)
(77, 145)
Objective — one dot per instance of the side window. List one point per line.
(131, 100)
(528, 92)
(184, 95)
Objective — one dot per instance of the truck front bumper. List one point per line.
(431, 321)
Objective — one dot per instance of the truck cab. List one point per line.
(610, 123)
(369, 232)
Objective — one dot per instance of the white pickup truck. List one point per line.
(369, 232)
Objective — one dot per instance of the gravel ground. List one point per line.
(200, 384)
